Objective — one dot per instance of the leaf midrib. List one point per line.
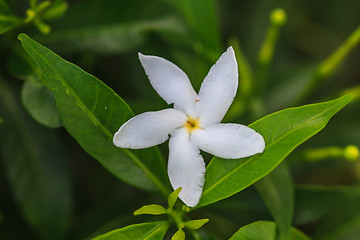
(95, 120)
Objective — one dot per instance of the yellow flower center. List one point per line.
(191, 124)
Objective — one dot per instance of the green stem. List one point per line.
(330, 64)
(277, 20)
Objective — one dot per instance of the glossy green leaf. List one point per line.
(277, 191)
(282, 131)
(142, 231)
(7, 19)
(91, 112)
(264, 230)
(40, 103)
(153, 209)
(173, 197)
(179, 235)
(195, 224)
(36, 169)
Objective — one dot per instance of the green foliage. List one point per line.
(143, 231)
(153, 209)
(225, 178)
(94, 118)
(277, 191)
(179, 235)
(36, 169)
(195, 224)
(287, 55)
(8, 20)
(173, 197)
(264, 230)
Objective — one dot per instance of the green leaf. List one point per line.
(8, 20)
(153, 209)
(195, 224)
(173, 197)
(264, 230)
(143, 231)
(277, 191)
(107, 38)
(201, 18)
(343, 219)
(91, 112)
(36, 169)
(313, 202)
(179, 235)
(40, 103)
(282, 131)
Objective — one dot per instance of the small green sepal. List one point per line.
(195, 224)
(173, 197)
(152, 209)
(179, 235)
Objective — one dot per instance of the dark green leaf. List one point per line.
(153, 209)
(143, 231)
(264, 230)
(277, 191)
(40, 103)
(201, 18)
(343, 220)
(282, 131)
(7, 19)
(36, 170)
(91, 112)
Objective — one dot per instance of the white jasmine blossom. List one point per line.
(193, 123)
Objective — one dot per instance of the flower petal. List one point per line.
(229, 140)
(170, 82)
(148, 129)
(218, 89)
(186, 167)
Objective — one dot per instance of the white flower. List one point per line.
(193, 123)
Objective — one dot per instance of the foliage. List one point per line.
(57, 119)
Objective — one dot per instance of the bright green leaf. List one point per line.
(143, 231)
(195, 224)
(277, 191)
(282, 131)
(40, 103)
(153, 209)
(179, 235)
(91, 112)
(173, 197)
(264, 230)
(36, 170)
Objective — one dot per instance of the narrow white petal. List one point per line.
(229, 140)
(148, 129)
(218, 89)
(186, 167)
(170, 82)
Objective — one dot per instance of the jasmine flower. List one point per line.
(193, 123)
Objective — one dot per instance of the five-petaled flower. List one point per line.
(193, 123)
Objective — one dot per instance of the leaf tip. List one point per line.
(21, 36)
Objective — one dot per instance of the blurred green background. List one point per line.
(103, 37)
